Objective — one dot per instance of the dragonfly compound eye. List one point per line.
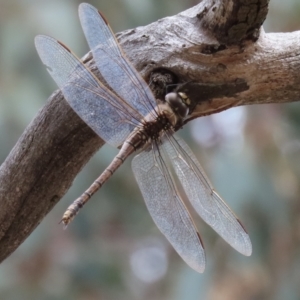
(177, 104)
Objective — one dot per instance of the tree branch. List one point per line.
(219, 64)
(232, 21)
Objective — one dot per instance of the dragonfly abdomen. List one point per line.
(127, 149)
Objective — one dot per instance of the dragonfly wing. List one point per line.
(208, 204)
(112, 63)
(108, 115)
(166, 207)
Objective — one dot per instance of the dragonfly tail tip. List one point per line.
(64, 223)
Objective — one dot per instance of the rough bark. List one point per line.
(216, 50)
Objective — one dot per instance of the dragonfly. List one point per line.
(127, 116)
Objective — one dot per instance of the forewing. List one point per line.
(208, 204)
(117, 71)
(108, 115)
(166, 207)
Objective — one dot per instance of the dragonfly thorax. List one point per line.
(166, 115)
(159, 120)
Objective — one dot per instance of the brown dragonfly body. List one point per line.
(153, 125)
(128, 117)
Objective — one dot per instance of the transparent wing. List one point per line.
(208, 204)
(167, 209)
(108, 115)
(112, 63)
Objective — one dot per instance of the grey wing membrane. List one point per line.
(208, 204)
(166, 207)
(108, 115)
(112, 63)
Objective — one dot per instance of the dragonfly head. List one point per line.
(177, 104)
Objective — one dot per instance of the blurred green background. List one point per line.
(113, 250)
